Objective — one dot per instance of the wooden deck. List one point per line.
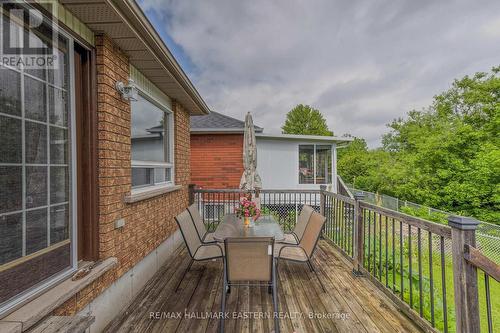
(350, 304)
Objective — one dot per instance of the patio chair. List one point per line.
(205, 236)
(303, 251)
(295, 236)
(249, 261)
(198, 251)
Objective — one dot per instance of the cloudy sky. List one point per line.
(361, 63)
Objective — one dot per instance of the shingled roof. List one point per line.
(217, 122)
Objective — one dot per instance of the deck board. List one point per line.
(300, 293)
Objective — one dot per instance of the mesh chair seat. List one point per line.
(295, 253)
(205, 252)
(289, 239)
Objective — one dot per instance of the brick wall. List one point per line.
(216, 160)
(147, 223)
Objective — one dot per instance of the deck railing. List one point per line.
(429, 270)
(342, 188)
(284, 205)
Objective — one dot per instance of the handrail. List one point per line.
(478, 259)
(439, 229)
(231, 190)
(342, 188)
(340, 197)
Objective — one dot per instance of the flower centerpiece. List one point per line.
(247, 209)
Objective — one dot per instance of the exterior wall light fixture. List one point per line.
(129, 91)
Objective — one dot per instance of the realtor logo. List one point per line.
(27, 35)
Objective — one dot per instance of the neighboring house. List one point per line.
(89, 178)
(289, 161)
(217, 150)
(283, 161)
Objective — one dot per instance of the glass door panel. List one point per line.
(35, 162)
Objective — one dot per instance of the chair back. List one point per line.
(198, 220)
(311, 234)
(303, 219)
(249, 259)
(188, 231)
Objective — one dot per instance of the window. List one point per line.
(152, 143)
(315, 164)
(36, 177)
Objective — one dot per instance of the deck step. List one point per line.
(53, 324)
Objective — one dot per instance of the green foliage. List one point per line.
(306, 120)
(446, 156)
(424, 213)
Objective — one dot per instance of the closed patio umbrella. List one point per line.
(250, 180)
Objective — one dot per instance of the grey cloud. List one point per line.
(362, 63)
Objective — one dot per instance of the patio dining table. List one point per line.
(233, 226)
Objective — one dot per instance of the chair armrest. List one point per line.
(294, 246)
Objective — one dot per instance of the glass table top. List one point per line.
(232, 226)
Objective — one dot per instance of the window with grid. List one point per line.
(152, 143)
(35, 163)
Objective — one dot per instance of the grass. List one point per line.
(407, 274)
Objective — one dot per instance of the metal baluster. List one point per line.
(218, 205)
(410, 266)
(339, 224)
(443, 286)
(393, 257)
(386, 253)
(352, 230)
(431, 278)
(197, 195)
(342, 219)
(380, 246)
(296, 207)
(330, 214)
(335, 239)
(365, 233)
(345, 222)
(421, 299)
(488, 301)
(374, 244)
(401, 258)
(212, 200)
(368, 261)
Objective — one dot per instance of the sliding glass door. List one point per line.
(36, 156)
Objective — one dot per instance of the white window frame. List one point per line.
(314, 163)
(155, 164)
(31, 293)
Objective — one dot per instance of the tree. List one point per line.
(446, 156)
(306, 120)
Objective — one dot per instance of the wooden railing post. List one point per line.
(463, 232)
(191, 188)
(358, 235)
(322, 200)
